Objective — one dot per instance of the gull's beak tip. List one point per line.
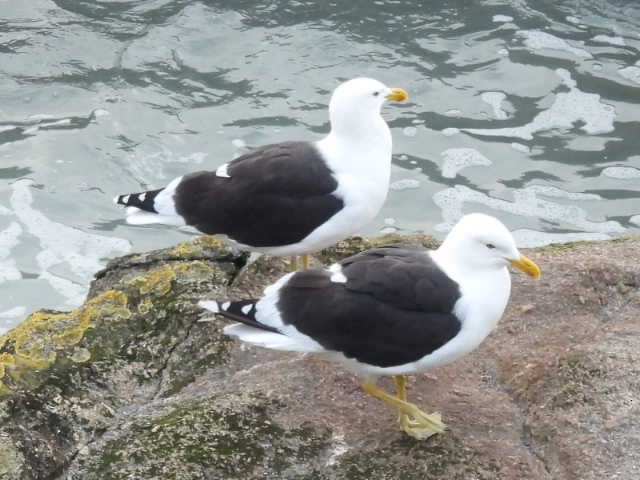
(398, 95)
(527, 266)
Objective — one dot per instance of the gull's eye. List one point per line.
(490, 246)
(375, 94)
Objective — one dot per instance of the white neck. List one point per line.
(359, 148)
(486, 292)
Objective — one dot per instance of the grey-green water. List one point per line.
(526, 109)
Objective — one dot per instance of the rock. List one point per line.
(139, 383)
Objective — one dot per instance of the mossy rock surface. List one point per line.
(139, 382)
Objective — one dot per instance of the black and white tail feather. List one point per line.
(243, 311)
(251, 330)
(143, 200)
(152, 206)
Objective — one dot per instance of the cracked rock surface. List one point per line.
(139, 382)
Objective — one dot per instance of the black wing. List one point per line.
(395, 307)
(276, 195)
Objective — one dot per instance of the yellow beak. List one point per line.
(527, 266)
(398, 95)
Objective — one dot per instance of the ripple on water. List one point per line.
(611, 40)
(631, 73)
(404, 184)
(501, 19)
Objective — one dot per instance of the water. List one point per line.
(524, 109)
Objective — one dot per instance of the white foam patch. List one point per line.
(532, 238)
(537, 40)
(502, 19)
(618, 41)
(495, 99)
(567, 109)
(520, 147)
(630, 73)
(621, 173)
(9, 318)
(9, 238)
(4, 210)
(526, 203)
(456, 159)
(635, 220)
(447, 132)
(404, 184)
(196, 158)
(555, 192)
(63, 246)
(14, 312)
(409, 131)
(238, 143)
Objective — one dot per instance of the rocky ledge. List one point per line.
(139, 383)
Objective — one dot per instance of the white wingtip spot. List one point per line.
(246, 309)
(225, 306)
(143, 197)
(338, 278)
(125, 199)
(222, 171)
(210, 305)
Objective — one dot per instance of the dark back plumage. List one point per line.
(274, 195)
(395, 307)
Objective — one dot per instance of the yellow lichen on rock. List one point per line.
(185, 249)
(37, 342)
(157, 281)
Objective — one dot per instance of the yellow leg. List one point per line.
(305, 261)
(401, 393)
(418, 424)
(293, 263)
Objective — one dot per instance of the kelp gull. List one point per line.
(390, 310)
(289, 198)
